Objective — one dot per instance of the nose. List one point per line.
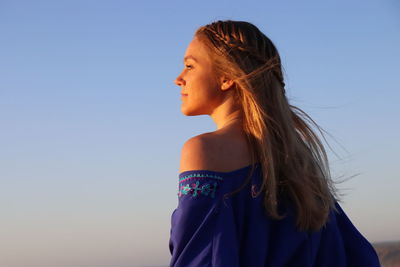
(179, 81)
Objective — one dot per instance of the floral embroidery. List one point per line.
(254, 190)
(195, 189)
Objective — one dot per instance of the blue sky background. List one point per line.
(91, 129)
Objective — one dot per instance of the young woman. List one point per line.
(257, 191)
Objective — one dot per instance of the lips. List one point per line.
(183, 94)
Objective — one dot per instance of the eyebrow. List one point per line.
(189, 57)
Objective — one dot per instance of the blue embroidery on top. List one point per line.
(195, 188)
(198, 175)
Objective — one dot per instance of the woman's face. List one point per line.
(199, 86)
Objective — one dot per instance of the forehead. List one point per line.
(196, 49)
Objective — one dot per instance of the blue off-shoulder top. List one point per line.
(208, 230)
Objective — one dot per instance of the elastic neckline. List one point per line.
(218, 172)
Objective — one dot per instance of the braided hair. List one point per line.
(237, 45)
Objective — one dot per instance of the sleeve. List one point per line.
(193, 221)
(343, 240)
(359, 250)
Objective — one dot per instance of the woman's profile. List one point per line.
(257, 191)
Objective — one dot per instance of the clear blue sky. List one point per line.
(91, 129)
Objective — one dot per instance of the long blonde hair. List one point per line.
(293, 160)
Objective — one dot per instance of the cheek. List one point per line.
(202, 84)
(212, 86)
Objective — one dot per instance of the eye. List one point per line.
(189, 66)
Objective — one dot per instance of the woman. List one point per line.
(257, 191)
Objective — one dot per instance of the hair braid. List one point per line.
(238, 43)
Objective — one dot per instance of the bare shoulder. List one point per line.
(214, 151)
(195, 153)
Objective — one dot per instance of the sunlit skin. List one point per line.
(205, 94)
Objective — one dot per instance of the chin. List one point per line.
(188, 112)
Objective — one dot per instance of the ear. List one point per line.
(226, 83)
